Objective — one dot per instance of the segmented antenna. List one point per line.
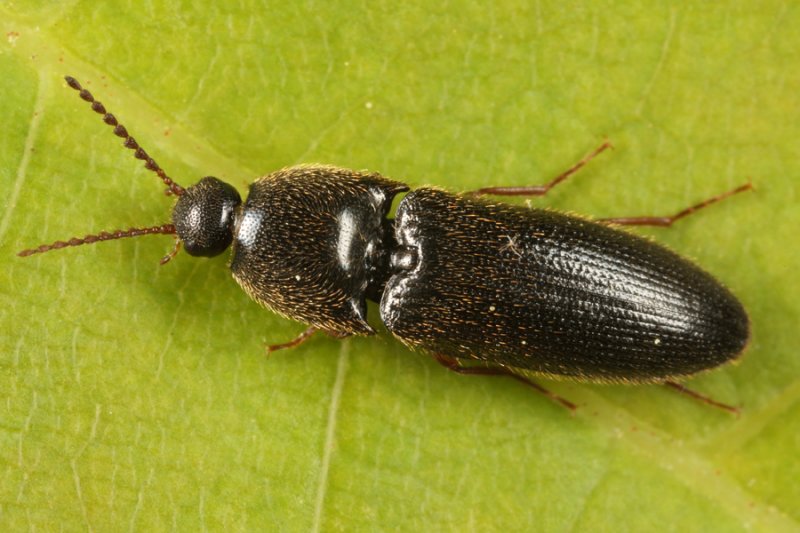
(149, 163)
(165, 229)
(129, 142)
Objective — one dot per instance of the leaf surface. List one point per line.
(138, 396)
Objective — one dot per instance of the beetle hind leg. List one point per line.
(455, 365)
(667, 221)
(701, 397)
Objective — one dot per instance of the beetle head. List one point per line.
(204, 217)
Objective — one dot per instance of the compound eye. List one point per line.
(204, 216)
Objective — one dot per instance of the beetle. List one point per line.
(486, 287)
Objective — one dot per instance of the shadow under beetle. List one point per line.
(520, 292)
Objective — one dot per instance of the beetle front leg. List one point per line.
(303, 337)
(455, 365)
(666, 222)
(297, 341)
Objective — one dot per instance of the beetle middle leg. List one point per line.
(701, 397)
(667, 221)
(453, 364)
(541, 190)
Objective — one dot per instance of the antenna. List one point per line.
(130, 142)
(165, 229)
(149, 164)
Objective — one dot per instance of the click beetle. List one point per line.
(486, 287)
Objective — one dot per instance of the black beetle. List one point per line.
(523, 292)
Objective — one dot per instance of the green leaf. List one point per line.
(138, 396)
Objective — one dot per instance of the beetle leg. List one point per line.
(455, 365)
(541, 190)
(668, 221)
(167, 258)
(297, 341)
(701, 397)
(303, 337)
